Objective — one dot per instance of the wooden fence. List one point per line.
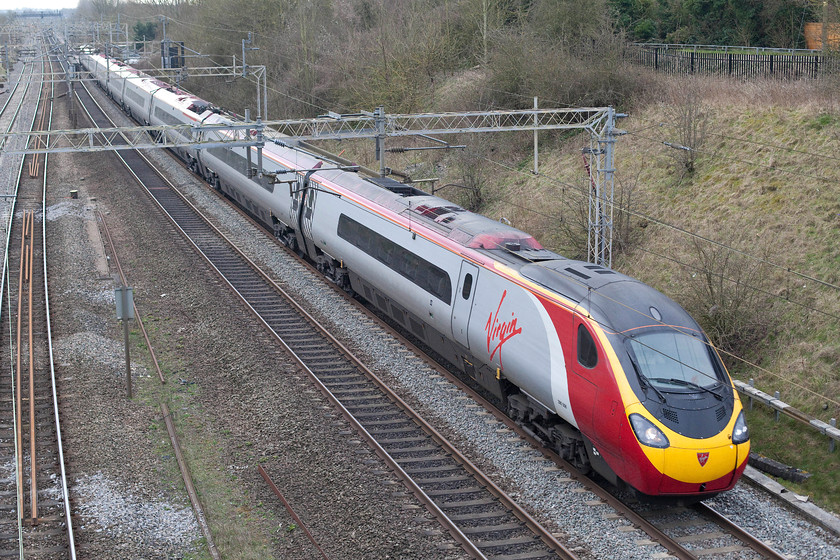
(746, 66)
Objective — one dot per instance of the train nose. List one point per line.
(700, 469)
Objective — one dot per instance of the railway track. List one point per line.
(479, 515)
(686, 532)
(12, 118)
(34, 499)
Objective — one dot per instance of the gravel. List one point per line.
(116, 513)
(783, 529)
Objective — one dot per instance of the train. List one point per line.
(609, 372)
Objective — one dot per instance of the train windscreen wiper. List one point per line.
(685, 383)
(644, 382)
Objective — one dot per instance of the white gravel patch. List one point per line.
(100, 352)
(65, 208)
(156, 524)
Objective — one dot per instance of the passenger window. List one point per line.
(465, 291)
(587, 352)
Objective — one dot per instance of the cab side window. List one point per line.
(587, 352)
(467, 288)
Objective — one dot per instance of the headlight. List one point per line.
(741, 434)
(647, 433)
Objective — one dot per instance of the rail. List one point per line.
(201, 517)
(65, 492)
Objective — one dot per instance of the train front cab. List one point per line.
(671, 442)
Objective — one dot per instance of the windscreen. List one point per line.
(670, 358)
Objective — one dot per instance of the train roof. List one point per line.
(447, 218)
(177, 96)
(613, 299)
(617, 301)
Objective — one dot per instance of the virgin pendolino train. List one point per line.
(611, 373)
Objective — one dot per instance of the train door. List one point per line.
(304, 206)
(601, 412)
(583, 383)
(462, 306)
(309, 197)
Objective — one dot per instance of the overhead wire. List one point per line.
(681, 230)
(582, 192)
(609, 328)
(659, 124)
(729, 158)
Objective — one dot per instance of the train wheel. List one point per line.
(326, 267)
(289, 240)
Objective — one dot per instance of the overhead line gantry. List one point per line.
(377, 125)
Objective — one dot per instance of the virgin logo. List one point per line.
(499, 332)
(702, 458)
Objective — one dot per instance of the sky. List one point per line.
(38, 4)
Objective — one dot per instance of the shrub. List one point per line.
(730, 295)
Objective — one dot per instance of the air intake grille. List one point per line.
(720, 413)
(671, 415)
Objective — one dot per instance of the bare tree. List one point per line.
(96, 9)
(689, 116)
(731, 296)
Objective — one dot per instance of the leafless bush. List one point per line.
(574, 219)
(523, 65)
(689, 119)
(731, 295)
(472, 169)
(574, 222)
(626, 230)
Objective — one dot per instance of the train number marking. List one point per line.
(500, 332)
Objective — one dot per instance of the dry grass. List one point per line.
(766, 183)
